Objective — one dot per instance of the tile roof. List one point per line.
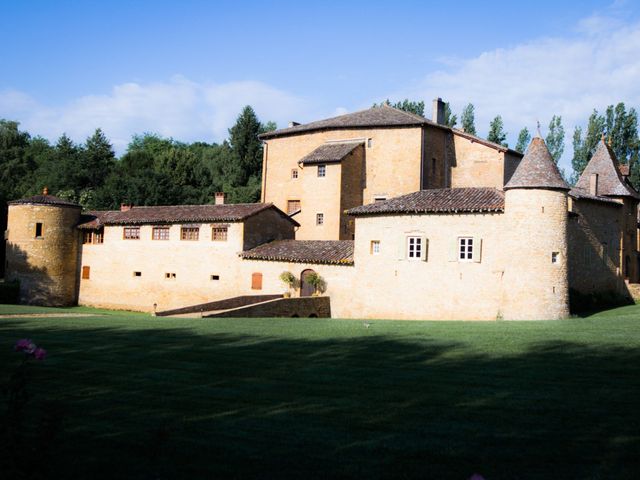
(44, 200)
(330, 152)
(610, 181)
(231, 212)
(334, 252)
(441, 200)
(582, 195)
(537, 169)
(383, 116)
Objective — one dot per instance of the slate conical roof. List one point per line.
(537, 169)
(610, 181)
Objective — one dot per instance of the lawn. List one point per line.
(161, 398)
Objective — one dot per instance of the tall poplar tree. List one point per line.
(555, 138)
(496, 132)
(468, 119)
(524, 137)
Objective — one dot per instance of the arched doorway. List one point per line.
(306, 289)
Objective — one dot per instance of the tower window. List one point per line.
(555, 257)
(322, 170)
(38, 230)
(294, 173)
(170, 276)
(137, 274)
(319, 218)
(215, 277)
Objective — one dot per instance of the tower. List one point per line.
(536, 282)
(42, 249)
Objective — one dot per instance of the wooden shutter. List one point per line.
(453, 250)
(86, 272)
(424, 254)
(402, 248)
(256, 281)
(476, 255)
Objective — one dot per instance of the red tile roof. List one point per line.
(440, 200)
(334, 252)
(44, 200)
(330, 152)
(537, 169)
(231, 212)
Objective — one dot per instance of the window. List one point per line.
(215, 277)
(256, 281)
(369, 143)
(86, 273)
(98, 236)
(378, 199)
(87, 237)
(319, 218)
(293, 206)
(375, 247)
(555, 257)
(160, 233)
(170, 276)
(322, 170)
(414, 248)
(465, 249)
(38, 230)
(294, 173)
(219, 234)
(131, 233)
(189, 233)
(137, 274)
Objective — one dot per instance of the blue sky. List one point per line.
(184, 69)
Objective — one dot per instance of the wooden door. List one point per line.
(306, 289)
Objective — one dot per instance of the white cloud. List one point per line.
(596, 65)
(178, 108)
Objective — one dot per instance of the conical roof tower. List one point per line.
(537, 169)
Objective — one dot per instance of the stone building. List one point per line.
(419, 221)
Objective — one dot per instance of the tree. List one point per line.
(496, 132)
(245, 145)
(622, 135)
(97, 161)
(450, 120)
(406, 105)
(583, 148)
(524, 137)
(555, 138)
(467, 119)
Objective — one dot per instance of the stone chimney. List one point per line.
(125, 207)
(220, 198)
(438, 111)
(293, 124)
(593, 184)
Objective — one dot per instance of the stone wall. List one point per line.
(477, 165)
(46, 266)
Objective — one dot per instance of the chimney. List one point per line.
(438, 111)
(593, 184)
(125, 207)
(45, 191)
(219, 198)
(293, 124)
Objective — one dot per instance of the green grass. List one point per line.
(148, 397)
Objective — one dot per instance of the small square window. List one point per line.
(369, 143)
(219, 234)
(215, 277)
(87, 237)
(378, 199)
(131, 233)
(319, 218)
(465, 249)
(189, 233)
(414, 248)
(137, 274)
(375, 247)
(160, 233)
(294, 173)
(555, 257)
(322, 170)
(39, 230)
(170, 276)
(293, 206)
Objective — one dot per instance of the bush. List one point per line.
(10, 292)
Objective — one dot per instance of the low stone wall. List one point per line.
(284, 307)
(226, 304)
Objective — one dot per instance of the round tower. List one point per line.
(536, 284)
(43, 249)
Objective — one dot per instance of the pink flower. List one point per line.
(40, 354)
(25, 345)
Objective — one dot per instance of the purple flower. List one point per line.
(40, 354)
(25, 345)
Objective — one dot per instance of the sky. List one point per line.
(184, 69)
